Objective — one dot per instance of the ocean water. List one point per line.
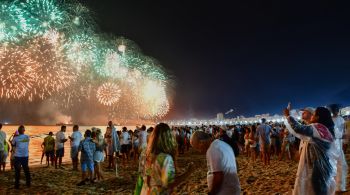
(37, 135)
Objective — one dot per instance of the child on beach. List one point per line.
(87, 148)
(49, 149)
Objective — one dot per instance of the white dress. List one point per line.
(342, 166)
(317, 164)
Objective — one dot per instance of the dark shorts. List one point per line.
(50, 154)
(2, 156)
(60, 152)
(124, 148)
(74, 152)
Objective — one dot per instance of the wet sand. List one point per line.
(278, 178)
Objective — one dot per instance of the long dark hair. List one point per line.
(325, 118)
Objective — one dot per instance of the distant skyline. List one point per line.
(253, 57)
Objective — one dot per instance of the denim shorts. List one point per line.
(87, 165)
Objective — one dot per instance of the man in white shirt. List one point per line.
(60, 139)
(2, 147)
(74, 143)
(339, 129)
(142, 138)
(21, 142)
(222, 175)
(124, 142)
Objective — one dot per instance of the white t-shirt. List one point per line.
(124, 138)
(2, 139)
(143, 139)
(220, 157)
(339, 127)
(77, 137)
(21, 143)
(60, 136)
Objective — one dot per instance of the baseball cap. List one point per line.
(309, 109)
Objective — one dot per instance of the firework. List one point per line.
(42, 15)
(108, 93)
(49, 50)
(80, 18)
(81, 51)
(154, 99)
(53, 71)
(17, 73)
(12, 24)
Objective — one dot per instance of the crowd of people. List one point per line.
(317, 142)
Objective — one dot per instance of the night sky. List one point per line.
(252, 56)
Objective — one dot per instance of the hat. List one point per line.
(309, 109)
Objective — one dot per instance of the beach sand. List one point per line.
(278, 178)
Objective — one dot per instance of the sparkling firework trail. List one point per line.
(42, 16)
(53, 71)
(12, 23)
(17, 73)
(108, 94)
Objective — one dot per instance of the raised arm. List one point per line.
(300, 128)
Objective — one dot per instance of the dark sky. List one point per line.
(252, 56)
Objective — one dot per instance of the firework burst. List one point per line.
(53, 71)
(42, 15)
(108, 94)
(12, 23)
(17, 73)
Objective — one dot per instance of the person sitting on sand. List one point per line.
(49, 149)
(160, 168)
(222, 175)
(317, 165)
(87, 148)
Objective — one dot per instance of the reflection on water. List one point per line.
(37, 135)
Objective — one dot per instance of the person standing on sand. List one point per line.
(317, 164)
(124, 141)
(74, 142)
(339, 130)
(49, 148)
(263, 131)
(142, 149)
(160, 168)
(306, 120)
(60, 140)
(222, 175)
(2, 141)
(5, 155)
(98, 155)
(21, 142)
(115, 144)
(87, 148)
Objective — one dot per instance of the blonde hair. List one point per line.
(161, 140)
